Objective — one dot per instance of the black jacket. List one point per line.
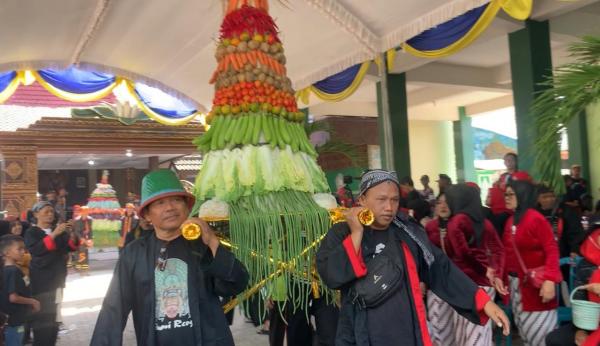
(48, 268)
(572, 230)
(132, 290)
(441, 276)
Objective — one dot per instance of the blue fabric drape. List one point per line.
(77, 81)
(6, 78)
(163, 103)
(447, 33)
(339, 81)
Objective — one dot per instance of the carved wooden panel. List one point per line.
(18, 178)
(17, 202)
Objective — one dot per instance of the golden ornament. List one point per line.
(191, 231)
(366, 216)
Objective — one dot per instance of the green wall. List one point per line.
(431, 150)
(593, 132)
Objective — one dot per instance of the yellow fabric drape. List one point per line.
(518, 9)
(303, 95)
(65, 95)
(24, 77)
(27, 77)
(390, 57)
(11, 88)
(482, 23)
(152, 114)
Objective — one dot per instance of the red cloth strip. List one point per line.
(413, 277)
(481, 298)
(593, 339)
(358, 265)
(49, 242)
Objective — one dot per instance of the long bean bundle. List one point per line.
(278, 226)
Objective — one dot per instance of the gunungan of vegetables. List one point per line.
(253, 95)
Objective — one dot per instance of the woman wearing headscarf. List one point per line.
(474, 246)
(531, 264)
(439, 313)
(49, 247)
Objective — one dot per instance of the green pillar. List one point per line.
(530, 62)
(391, 96)
(464, 147)
(578, 144)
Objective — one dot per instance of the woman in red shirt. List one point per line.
(529, 244)
(587, 274)
(439, 313)
(474, 246)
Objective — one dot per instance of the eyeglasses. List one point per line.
(508, 195)
(161, 262)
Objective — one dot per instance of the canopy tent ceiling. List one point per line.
(171, 43)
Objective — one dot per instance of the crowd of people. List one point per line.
(510, 247)
(443, 265)
(36, 254)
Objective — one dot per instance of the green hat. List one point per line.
(160, 184)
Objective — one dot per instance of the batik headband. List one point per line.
(372, 178)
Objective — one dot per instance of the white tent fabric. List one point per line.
(170, 44)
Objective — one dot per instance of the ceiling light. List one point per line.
(91, 162)
(128, 153)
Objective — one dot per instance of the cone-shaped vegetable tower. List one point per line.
(257, 156)
(105, 210)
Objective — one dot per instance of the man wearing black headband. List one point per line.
(378, 269)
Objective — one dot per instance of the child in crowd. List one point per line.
(15, 296)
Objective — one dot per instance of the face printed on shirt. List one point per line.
(171, 290)
(172, 304)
